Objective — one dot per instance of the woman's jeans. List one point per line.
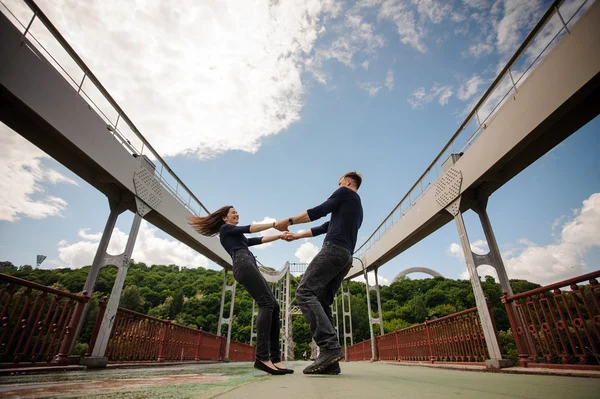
(247, 274)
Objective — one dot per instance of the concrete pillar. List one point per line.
(99, 262)
(347, 331)
(252, 325)
(370, 313)
(228, 320)
(97, 358)
(485, 317)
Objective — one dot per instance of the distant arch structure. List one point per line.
(410, 270)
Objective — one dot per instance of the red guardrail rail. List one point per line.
(360, 351)
(138, 337)
(456, 338)
(558, 326)
(36, 322)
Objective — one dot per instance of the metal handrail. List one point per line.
(553, 9)
(89, 75)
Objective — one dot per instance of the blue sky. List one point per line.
(373, 86)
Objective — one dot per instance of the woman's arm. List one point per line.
(255, 228)
(263, 240)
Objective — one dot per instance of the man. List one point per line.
(327, 270)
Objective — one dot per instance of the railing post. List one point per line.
(397, 346)
(516, 330)
(428, 331)
(101, 310)
(63, 355)
(163, 342)
(197, 357)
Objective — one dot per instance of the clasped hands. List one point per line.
(282, 225)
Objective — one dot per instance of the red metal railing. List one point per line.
(137, 337)
(558, 325)
(360, 351)
(36, 322)
(457, 338)
(239, 352)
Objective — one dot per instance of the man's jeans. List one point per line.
(317, 290)
(247, 274)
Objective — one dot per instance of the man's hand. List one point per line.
(288, 236)
(282, 225)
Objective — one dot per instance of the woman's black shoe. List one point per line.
(286, 371)
(263, 367)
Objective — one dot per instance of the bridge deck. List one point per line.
(239, 380)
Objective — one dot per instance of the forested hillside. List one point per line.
(192, 297)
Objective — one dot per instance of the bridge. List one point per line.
(525, 113)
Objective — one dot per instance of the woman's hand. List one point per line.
(288, 236)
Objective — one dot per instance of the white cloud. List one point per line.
(480, 49)
(436, 11)
(469, 88)
(365, 65)
(370, 87)
(518, 15)
(148, 248)
(403, 17)
(420, 96)
(389, 80)
(354, 36)
(554, 262)
(306, 252)
(229, 70)
(480, 4)
(23, 180)
(457, 17)
(268, 232)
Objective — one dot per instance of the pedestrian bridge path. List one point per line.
(239, 380)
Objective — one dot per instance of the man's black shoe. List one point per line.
(334, 369)
(326, 358)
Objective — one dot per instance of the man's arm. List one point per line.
(314, 213)
(313, 232)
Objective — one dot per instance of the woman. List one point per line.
(225, 222)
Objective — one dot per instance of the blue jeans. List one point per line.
(247, 274)
(317, 290)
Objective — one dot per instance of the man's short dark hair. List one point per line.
(356, 178)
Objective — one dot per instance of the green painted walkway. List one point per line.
(240, 380)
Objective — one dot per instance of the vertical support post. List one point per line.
(228, 320)
(199, 345)
(379, 312)
(495, 257)
(487, 325)
(163, 341)
(368, 288)
(115, 296)
(288, 317)
(65, 349)
(344, 315)
(99, 261)
(254, 315)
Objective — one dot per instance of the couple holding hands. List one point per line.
(319, 284)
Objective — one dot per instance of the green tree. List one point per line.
(132, 299)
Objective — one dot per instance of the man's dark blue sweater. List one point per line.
(346, 218)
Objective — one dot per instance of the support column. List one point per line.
(228, 320)
(334, 312)
(485, 317)
(344, 315)
(97, 358)
(379, 312)
(495, 259)
(370, 313)
(99, 262)
(288, 353)
(448, 195)
(254, 316)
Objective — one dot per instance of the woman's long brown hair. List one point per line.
(209, 225)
